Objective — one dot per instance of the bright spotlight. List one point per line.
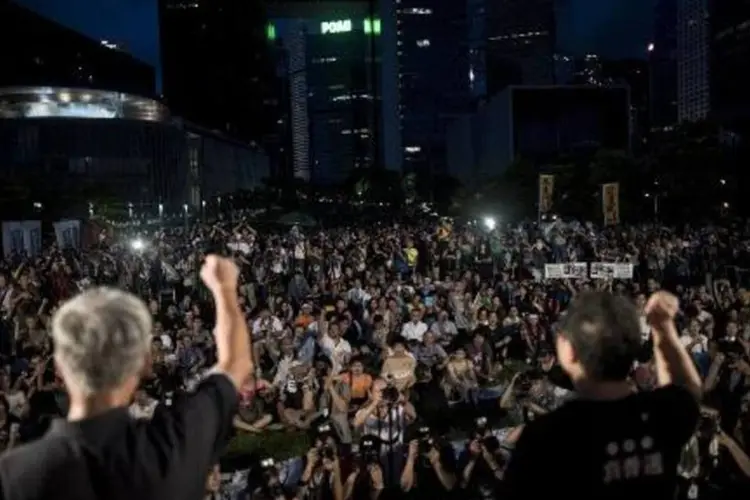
(137, 245)
(490, 223)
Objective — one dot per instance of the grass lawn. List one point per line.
(282, 445)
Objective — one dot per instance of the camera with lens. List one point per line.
(369, 449)
(391, 395)
(264, 477)
(709, 424)
(322, 432)
(479, 433)
(425, 440)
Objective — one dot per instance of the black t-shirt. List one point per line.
(628, 448)
(113, 456)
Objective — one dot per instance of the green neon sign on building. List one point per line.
(371, 26)
(332, 27)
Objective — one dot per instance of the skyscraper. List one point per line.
(48, 54)
(216, 68)
(662, 55)
(521, 38)
(332, 64)
(435, 77)
(693, 96)
(730, 81)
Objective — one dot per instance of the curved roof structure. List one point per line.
(59, 102)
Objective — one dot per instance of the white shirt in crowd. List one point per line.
(166, 341)
(389, 429)
(339, 351)
(272, 324)
(700, 347)
(358, 295)
(414, 331)
(143, 412)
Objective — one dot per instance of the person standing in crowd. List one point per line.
(611, 442)
(102, 342)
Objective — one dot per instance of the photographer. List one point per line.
(264, 480)
(481, 463)
(367, 480)
(429, 467)
(386, 414)
(321, 479)
(713, 463)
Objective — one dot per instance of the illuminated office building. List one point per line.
(693, 96)
(343, 108)
(437, 75)
(521, 39)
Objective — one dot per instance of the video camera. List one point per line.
(479, 433)
(732, 349)
(264, 476)
(369, 449)
(390, 394)
(425, 439)
(322, 433)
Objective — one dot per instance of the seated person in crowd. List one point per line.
(358, 382)
(460, 377)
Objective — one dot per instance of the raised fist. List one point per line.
(661, 308)
(219, 273)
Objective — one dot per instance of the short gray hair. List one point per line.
(101, 337)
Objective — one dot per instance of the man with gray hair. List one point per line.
(102, 341)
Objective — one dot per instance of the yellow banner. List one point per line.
(546, 192)
(611, 203)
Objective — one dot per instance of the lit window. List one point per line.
(423, 43)
(413, 149)
(417, 11)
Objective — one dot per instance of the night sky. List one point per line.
(611, 28)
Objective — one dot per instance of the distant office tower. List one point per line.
(45, 53)
(521, 39)
(435, 74)
(693, 96)
(339, 97)
(588, 71)
(730, 80)
(662, 53)
(216, 67)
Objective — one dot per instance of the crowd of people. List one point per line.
(400, 349)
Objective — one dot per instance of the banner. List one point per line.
(546, 192)
(611, 203)
(611, 270)
(566, 270)
(68, 233)
(22, 236)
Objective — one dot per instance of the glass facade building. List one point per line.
(342, 98)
